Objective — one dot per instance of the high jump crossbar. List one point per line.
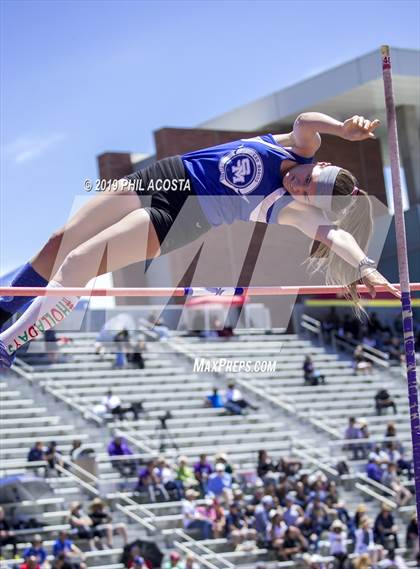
(187, 291)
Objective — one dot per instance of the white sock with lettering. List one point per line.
(44, 313)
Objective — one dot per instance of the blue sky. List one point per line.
(80, 78)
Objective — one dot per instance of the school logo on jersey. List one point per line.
(241, 170)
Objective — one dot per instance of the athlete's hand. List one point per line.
(358, 128)
(372, 278)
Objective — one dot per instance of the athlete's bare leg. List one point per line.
(97, 214)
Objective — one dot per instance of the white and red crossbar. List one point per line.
(187, 291)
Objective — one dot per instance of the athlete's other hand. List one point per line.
(359, 128)
(372, 278)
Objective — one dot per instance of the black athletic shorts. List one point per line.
(166, 193)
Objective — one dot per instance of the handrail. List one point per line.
(204, 562)
(377, 496)
(373, 354)
(85, 485)
(329, 469)
(312, 325)
(135, 517)
(376, 484)
(200, 545)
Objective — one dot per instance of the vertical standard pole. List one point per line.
(407, 314)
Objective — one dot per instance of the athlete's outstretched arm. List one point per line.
(314, 224)
(305, 138)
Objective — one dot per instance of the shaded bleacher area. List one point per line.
(301, 427)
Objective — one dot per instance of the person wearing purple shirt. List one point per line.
(353, 432)
(202, 471)
(373, 469)
(119, 447)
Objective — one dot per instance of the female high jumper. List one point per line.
(269, 178)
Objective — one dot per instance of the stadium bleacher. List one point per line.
(58, 402)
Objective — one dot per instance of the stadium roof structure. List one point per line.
(354, 87)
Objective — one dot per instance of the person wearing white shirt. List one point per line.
(338, 543)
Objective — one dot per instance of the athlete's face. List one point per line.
(300, 181)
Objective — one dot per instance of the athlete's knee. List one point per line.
(78, 267)
(124, 187)
(53, 244)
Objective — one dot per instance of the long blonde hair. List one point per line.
(354, 215)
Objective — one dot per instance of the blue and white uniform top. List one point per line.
(241, 180)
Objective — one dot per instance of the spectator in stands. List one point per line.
(220, 484)
(150, 481)
(193, 518)
(394, 454)
(337, 538)
(112, 404)
(215, 512)
(276, 528)
(293, 544)
(119, 447)
(122, 345)
(237, 529)
(383, 400)
(392, 480)
(202, 471)
(75, 446)
(412, 536)
(293, 513)
(365, 434)
(136, 356)
(190, 562)
(81, 524)
(360, 362)
(214, 399)
(353, 432)
(365, 542)
(53, 457)
(7, 536)
(36, 453)
(174, 562)
(311, 375)
(185, 473)
(102, 525)
(37, 550)
(373, 468)
(235, 402)
(169, 480)
(223, 458)
(63, 546)
(318, 513)
(359, 514)
(385, 529)
(262, 515)
(31, 562)
(265, 465)
(307, 529)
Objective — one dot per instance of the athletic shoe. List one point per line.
(6, 359)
